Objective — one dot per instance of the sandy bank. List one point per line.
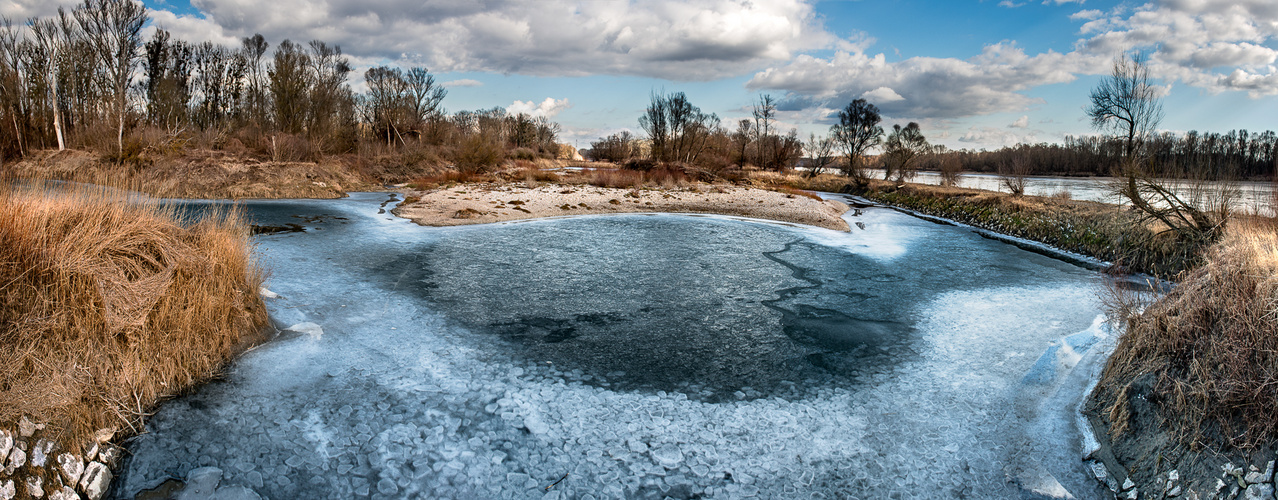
(484, 203)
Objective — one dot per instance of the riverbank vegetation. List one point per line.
(108, 305)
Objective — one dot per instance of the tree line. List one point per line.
(87, 77)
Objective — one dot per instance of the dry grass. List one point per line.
(107, 306)
(667, 177)
(1211, 344)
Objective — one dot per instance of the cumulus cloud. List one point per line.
(927, 87)
(675, 39)
(1216, 45)
(547, 108)
(882, 95)
(1088, 14)
(465, 82)
(1010, 4)
(1022, 122)
(990, 137)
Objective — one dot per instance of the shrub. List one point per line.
(479, 154)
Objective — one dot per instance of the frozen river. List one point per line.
(641, 356)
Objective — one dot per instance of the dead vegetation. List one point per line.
(108, 306)
(1208, 350)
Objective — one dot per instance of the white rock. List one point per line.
(1128, 484)
(1259, 491)
(105, 435)
(535, 425)
(27, 428)
(6, 444)
(71, 467)
(1131, 494)
(66, 493)
(1265, 476)
(41, 453)
(96, 481)
(110, 455)
(267, 294)
(35, 486)
(17, 458)
(91, 450)
(308, 328)
(8, 490)
(1175, 491)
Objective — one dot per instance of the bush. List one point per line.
(479, 154)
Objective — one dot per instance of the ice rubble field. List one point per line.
(409, 389)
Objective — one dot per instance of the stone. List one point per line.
(201, 483)
(71, 468)
(7, 490)
(35, 486)
(17, 458)
(1260, 491)
(1128, 484)
(27, 428)
(1258, 476)
(1131, 494)
(66, 493)
(267, 294)
(96, 481)
(106, 435)
(6, 444)
(110, 455)
(91, 450)
(41, 453)
(1175, 491)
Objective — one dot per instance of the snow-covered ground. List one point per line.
(644, 356)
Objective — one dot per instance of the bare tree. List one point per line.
(254, 49)
(1128, 103)
(678, 130)
(765, 113)
(290, 86)
(858, 130)
(951, 169)
(820, 152)
(114, 30)
(1012, 174)
(53, 37)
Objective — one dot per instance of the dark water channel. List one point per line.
(642, 355)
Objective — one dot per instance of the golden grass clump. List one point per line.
(1211, 346)
(108, 305)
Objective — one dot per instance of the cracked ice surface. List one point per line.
(643, 356)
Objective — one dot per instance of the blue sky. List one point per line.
(975, 74)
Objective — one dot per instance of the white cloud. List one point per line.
(882, 95)
(990, 137)
(1010, 4)
(675, 39)
(1061, 2)
(1089, 14)
(929, 87)
(1216, 45)
(1022, 122)
(465, 82)
(547, 108)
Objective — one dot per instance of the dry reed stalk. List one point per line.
(108, 305)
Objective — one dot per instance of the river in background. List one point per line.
(1250, 196)
(642, 356)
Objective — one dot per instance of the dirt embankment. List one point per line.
(476, 203)
(197, 174)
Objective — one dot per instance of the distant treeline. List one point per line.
(87, 78)
(1236, 154)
